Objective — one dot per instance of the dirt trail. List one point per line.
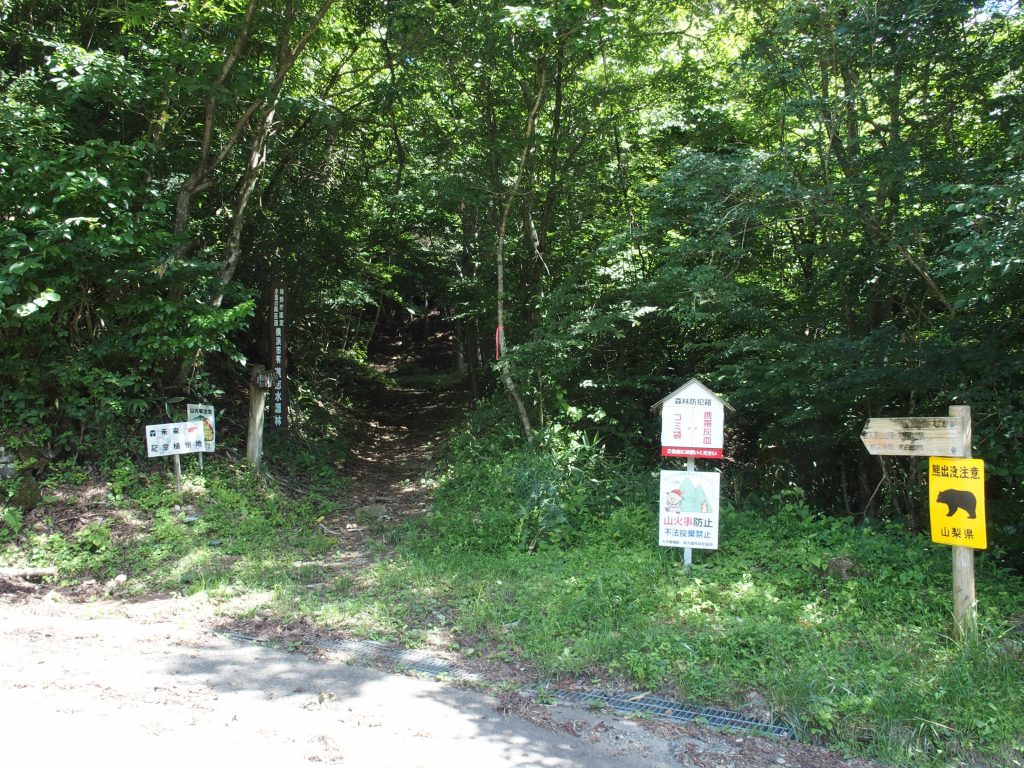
(402, 430)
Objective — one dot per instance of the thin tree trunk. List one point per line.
(198, 180)
(503, 365)
(389, 109)
(233, 249)
(200, 177)
(554, 160)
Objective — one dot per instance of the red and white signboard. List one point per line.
(692, 422)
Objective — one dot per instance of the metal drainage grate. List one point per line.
(413, 661)
(371, 651)
(666, 709)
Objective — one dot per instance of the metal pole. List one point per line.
(691, 466)
(965, 603)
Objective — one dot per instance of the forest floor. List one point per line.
(169, 676)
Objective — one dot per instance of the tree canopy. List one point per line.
(816, 208)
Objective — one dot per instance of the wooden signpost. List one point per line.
(692, 426)
(269, 384)
(279, 359)
(261, 381)
(915, 436)
(956, 491)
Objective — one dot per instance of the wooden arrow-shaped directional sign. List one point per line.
(916, 436)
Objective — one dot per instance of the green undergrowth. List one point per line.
(546, 557)
(550, 555)
(228, 530)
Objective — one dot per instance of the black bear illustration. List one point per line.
(955, 500)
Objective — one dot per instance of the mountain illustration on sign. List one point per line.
(957, 500)
(688, 498)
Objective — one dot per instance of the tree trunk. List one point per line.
(233, 249)
(200, 178)
(503, 365)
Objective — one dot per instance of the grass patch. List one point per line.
(548, 556)
(227, 526)
(862, 665)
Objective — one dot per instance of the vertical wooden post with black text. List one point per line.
(278, 358)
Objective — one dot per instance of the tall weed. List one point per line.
(555, 494)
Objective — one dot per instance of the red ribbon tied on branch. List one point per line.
(497, 341)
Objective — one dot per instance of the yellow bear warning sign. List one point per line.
(956, 501)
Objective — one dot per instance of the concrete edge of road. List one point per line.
(627, 703)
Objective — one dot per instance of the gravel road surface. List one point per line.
(146, 684)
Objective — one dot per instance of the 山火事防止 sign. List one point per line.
(692, 422)
(688, 514)
(204, 414)
(171, 439)
(956, 501)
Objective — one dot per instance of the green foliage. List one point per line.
(224, 527)
(816, 208)
(854, 255)
(11, 521)
(95, 321)
(843, 628)
(554, 495)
